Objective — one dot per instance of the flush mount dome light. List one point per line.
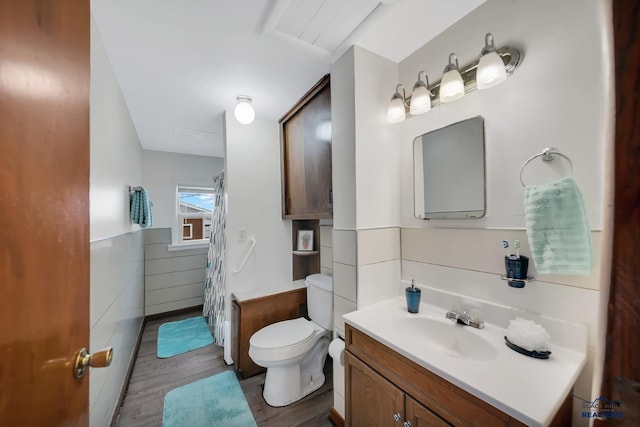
(244, 110)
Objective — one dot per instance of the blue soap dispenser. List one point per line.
(413, 298)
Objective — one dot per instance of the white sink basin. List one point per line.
(463, 342)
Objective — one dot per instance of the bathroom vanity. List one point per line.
(422, 369)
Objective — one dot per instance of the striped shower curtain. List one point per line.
(215, 286)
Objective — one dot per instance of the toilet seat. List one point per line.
(282, 340)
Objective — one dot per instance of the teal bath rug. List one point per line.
(182, 336)
(213, 401)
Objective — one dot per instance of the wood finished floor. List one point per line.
(152, 378)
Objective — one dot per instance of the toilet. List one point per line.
(294, 351)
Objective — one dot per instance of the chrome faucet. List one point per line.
(465, 319)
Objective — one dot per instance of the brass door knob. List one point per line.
(99, 359)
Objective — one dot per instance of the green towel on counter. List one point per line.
(557, 228)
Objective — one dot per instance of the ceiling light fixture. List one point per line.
(244, 110)
(484, 73)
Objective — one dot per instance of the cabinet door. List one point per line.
(371, 400)
(306, 156)
(419, 416)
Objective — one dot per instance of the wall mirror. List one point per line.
(449, 171)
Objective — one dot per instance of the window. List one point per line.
(194, 214)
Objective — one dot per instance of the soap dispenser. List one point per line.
(413, 297)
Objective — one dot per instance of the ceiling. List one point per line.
(181, 63)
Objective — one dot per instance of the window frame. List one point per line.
(178, 243)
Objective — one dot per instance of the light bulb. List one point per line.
(491, 70)
(451, 85)
(396, 113)
(420, 97)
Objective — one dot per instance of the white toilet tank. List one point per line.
(320, 299)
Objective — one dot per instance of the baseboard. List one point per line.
(127, 377)
(335, 418)
(173, 312)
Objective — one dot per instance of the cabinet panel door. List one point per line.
(419, 416)
(371, 400)
(306, 157)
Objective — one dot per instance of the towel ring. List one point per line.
(548, 154)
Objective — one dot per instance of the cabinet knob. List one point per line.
(406, 424)
(397, 417)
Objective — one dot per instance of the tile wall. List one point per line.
(366, 269)
(326, 247)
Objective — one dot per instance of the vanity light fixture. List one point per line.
(492, 68)
(451, 85)
(244, 110)
(396, 110)
(491, 71)
(420, 96)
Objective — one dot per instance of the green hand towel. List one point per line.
(557, 228)
(140, 209)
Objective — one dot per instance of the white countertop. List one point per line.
(530, 390)
(262, 292)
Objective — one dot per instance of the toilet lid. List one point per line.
(283, 334)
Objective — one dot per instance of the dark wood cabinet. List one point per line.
(306, 156)
(372, 400)
(250, 315)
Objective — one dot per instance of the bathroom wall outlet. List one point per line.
(242, 234)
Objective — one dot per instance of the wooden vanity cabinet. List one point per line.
(375, 401)
(249, 316)
(381, 383)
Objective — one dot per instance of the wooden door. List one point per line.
(371, 400)
(621, 380)
(44, 211)
(420, 416)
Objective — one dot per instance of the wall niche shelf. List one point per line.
(305, 262)
(305, 253)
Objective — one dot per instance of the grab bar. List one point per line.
(246, 257)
